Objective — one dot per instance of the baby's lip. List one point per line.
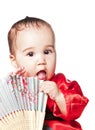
(41, 75)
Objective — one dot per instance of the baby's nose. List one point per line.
(41, 59)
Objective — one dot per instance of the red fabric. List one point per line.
(63, 125)
(74, 98)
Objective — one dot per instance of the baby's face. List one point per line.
(35, 51)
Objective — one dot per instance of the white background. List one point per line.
(74, 25)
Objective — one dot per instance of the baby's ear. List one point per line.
(13, 60)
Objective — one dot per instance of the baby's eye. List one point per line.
(47, 51)
(30, 54)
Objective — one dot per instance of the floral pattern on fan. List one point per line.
(22, 93)
(22, 105)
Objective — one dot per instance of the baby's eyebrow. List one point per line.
(32, 48)
(28, 48)
(50, 46)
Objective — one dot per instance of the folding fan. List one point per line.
(22, 105)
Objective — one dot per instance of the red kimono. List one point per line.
(75, 104)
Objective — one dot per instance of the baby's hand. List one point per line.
(18, 71)
(50, 88)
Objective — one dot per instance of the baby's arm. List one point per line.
(55, 94)
(70, 102)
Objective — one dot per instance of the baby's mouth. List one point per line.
(41, 75)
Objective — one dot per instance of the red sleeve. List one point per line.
(74, 98)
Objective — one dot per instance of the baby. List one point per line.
(33, 53)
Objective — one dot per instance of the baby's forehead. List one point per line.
(35, 30)
(31, 32)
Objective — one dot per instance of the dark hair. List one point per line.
(22, 24)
